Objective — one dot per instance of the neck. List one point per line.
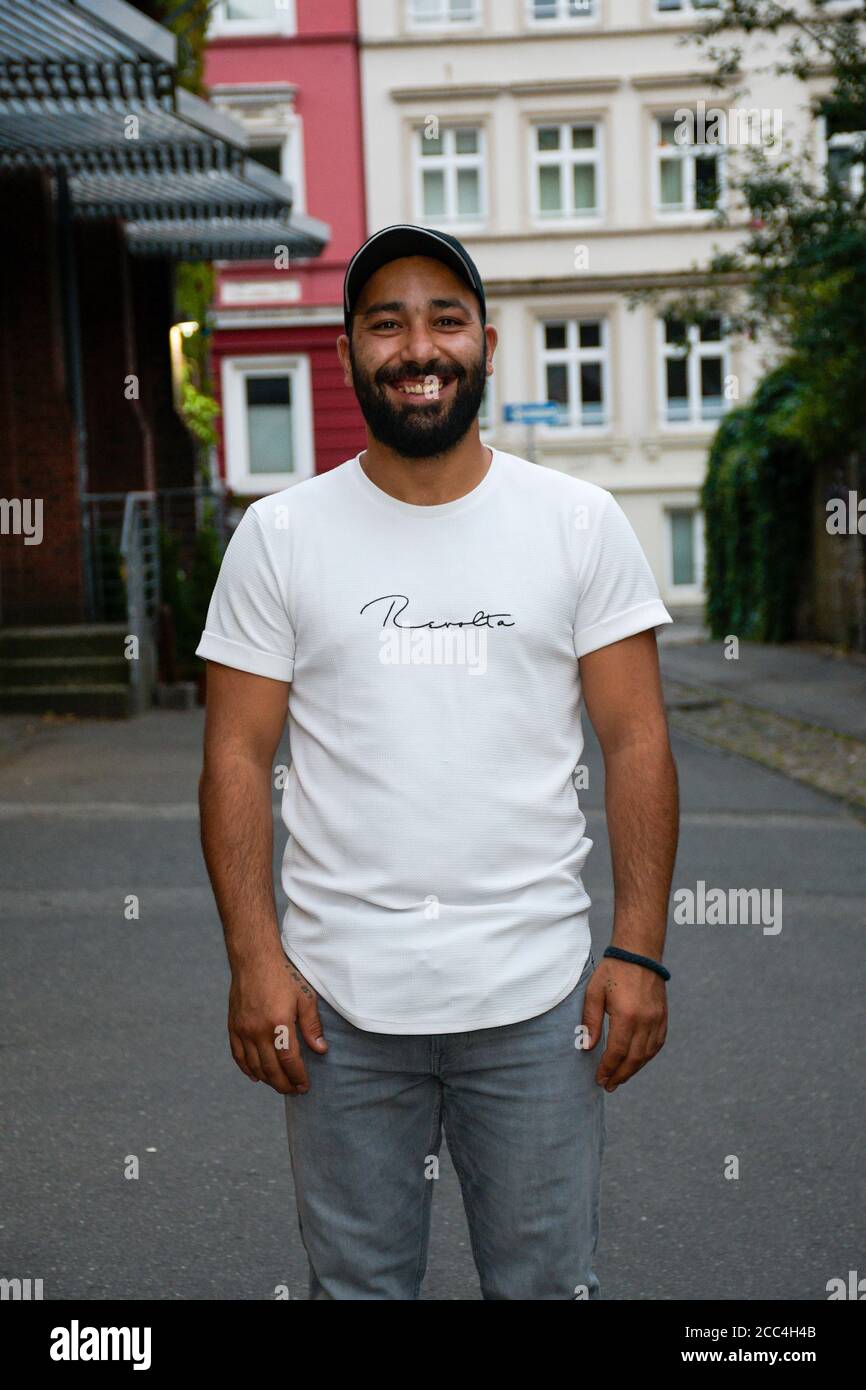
(427, 482)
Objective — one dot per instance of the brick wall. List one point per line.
(120, 454)
(39, 584)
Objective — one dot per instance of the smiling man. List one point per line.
(432, 613)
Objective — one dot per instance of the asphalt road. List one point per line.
(114, 1045)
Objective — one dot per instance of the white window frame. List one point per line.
(696, 587)
(450, 161)
(284, 22)
(234, 373)
(291, 142)
(266, 112)
(565, 157)
(562, 19)
(718, 347)
(688, 154)
(444, 19)
(572, 355)
(687, 9)
(843, 139)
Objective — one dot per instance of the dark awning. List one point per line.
(173, 191)
(88, 32)
(75, 132)
(227, 239)
(88, 87)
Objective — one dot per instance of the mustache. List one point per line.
(408, 374)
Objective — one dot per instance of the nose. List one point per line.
(418, 344)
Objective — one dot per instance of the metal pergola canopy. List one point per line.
(227, 239)
(83, 31)
(87, 89)
(161, 191)
(73, 132)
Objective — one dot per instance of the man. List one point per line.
(431, 611)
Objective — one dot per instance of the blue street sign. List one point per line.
(533, 413)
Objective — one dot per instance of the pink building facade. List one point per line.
(288, 70)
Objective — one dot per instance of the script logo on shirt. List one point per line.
(437, 642)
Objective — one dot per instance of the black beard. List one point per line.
(427, 431)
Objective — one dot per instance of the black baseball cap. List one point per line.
(391, 243)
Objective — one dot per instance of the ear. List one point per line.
(345, 359)
(492, 339)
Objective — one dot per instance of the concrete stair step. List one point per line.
(89, 701)
(63, 670)
(82, 639)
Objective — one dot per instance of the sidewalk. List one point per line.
(799, 709)
(811, 684)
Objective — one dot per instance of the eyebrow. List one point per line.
(397, 306)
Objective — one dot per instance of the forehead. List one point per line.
(413, 278)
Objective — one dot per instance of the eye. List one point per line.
(386, 323)
(459, 322)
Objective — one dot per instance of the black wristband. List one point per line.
(619, 954)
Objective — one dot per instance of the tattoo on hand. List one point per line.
(299, 980)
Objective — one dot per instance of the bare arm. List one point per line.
(623, 695)
(243, 725)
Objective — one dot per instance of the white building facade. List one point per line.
(543, 133)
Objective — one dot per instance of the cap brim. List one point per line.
(393, 243)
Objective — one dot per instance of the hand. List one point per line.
(636, 1001)
(266, 1001)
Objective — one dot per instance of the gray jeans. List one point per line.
(525, 1125)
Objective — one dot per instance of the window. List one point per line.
(689, 175)
(443, 14)
(284, 154)
(252, 17)
(685, 547)
(269, 155)
(846, 152)
(694, 367)
(561, 11)
(268, 427)
(450, 175)
(566, 170)
(684, 6)
(276, 132)
(574, 370)
(270, 446)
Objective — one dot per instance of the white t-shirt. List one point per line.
(435, 838)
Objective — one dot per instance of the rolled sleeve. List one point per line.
(248, 623)
(618, 592)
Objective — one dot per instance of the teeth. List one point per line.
(431, 386)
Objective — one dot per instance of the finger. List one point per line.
(616, 1051)
(272, 1067)
(287, 1057)
(638, 1055)
(240, 1056)
(593, 1016)
(288, 1054)
(253, 1062)
(310, 1024)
